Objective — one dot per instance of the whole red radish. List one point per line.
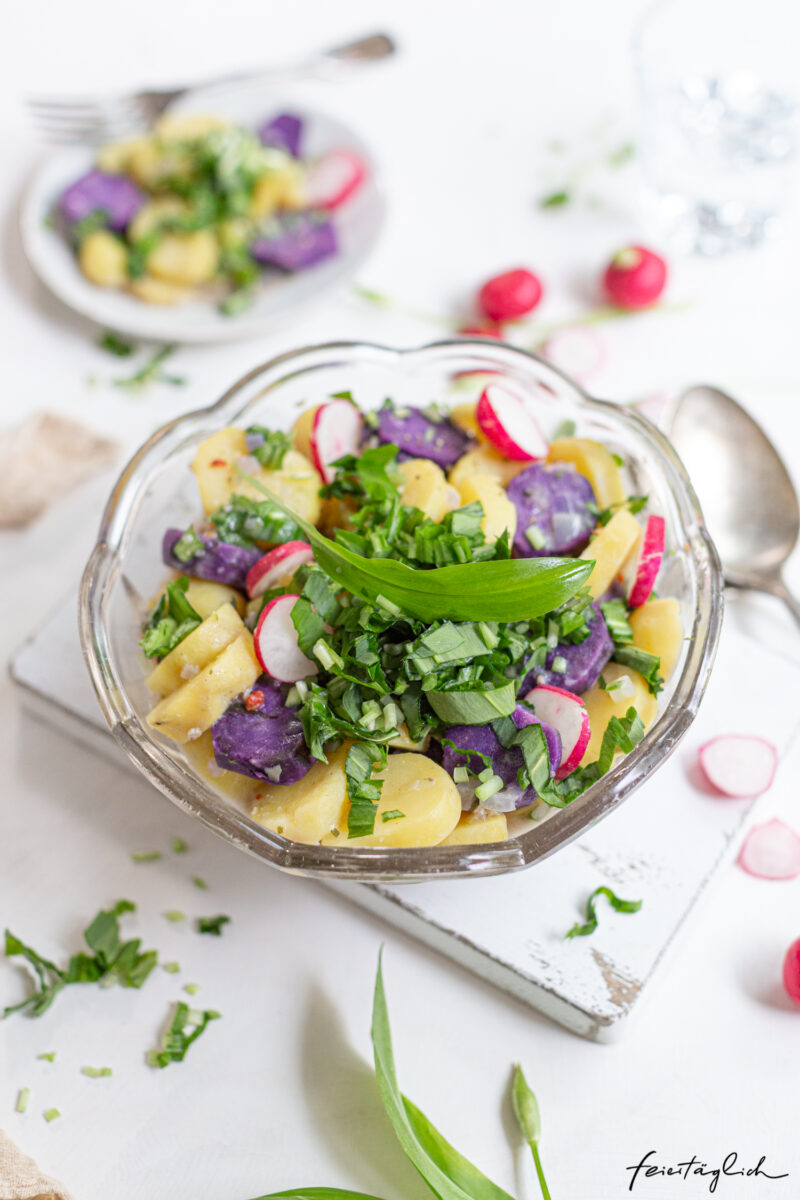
(635, 277)
(510, 295)
(791, 971)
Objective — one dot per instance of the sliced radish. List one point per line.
(333, 178)
(791, 972)
(739, 764)
(577, 351)
(771, 851)
(646, 564)
(280, 563)
(336, 431)
(275, 641)
(567, 713)
(506, 422)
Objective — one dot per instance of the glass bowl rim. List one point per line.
(387, 864)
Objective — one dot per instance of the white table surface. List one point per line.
(279, 1093)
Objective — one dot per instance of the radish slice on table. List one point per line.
(771, 851)
(275, 642)
(577, 351)
(647, 563)
(791, 971)
(279, 563)
(505, 421)
(336, 431)
(567, 713)
(739, 764)
(333, 178)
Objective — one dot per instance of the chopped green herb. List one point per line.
(615, 614)
(50, 1056)
(272, 450)
(211, 925)
(618, 459)
(536, 538)
(172, 967)
(172, 619)
(648, 665)
(175, 915)
(115, 345)
(620, 906)
(363, 790)
(188, 546)
(237, 302)
(555, 199)
(112, 961)
(22, 1099)
(392, 814)
(97, 1072)
(185, 1027)
(51, 1114)
(152, 372)
(192, 988)
(144, 856)
(564, 430)
(179, 846)
(622, 155)
(97, 219)
(200, 883)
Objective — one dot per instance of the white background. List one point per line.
(279, 1093)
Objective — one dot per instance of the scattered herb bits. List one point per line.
(50, 1056)
(51, 1114)
(200, 883)
(115, 345)
(186, 1026)
(175, 915)
(146, 856)
(211, 925)
(179, 846)
(97, 1072)
(23, 1099)
(172, 968)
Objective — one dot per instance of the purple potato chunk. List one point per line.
(265, 742)
(298, 243)
(417, 436)
(584, 660)
(116, 195)
(221, 562)
(283, 133)
(477, 740)
(561, 505)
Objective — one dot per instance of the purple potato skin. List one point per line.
(585, 660)
(222, 562)
(266, 743)
(299, 244)
(505, 762)
(283, 133)
(549, 495)
(118, 195)
(445, 443)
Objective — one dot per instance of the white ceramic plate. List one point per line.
(358, 224)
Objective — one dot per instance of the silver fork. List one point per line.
(76, 119)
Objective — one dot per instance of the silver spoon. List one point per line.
(746, 493)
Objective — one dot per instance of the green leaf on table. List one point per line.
(317, 1193)
(449, 1175)
(499, 590)
(620, 906)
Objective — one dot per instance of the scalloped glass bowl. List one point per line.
(157, 489)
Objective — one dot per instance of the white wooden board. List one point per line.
(662, 846)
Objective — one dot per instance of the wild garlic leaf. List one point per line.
(620, 906)
(317, 1193)
(526, 1107)
(423, 1145)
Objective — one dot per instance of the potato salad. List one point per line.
(203, 208)
(409, 626)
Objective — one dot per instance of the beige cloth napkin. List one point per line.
(21, 1179)
(41, 459)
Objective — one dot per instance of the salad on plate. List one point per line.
(409, 626)
(202, 207)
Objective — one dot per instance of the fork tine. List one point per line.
(65, 107)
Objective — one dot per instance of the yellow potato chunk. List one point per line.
(241, 789)
(279, 189)
(423, 485)
(308, 810)
(155, 213)
(197, 704)
(657, 628)
(402, 740)
(498, 511)
(214, 464)
(296, 483)
(301, 431)
(196, 650)
(188, 127)
(478, 827)
(116, 156)
(156, 291)
(603, 705)
(609, 548)
(426, 796)
(464, 416)
(595, 463)
(205, 597)
(150, 162)
(187, 259)
(485, 460)
(104, 259)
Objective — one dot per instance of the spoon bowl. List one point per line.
(747, 495)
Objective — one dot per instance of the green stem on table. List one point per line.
(605, 312)
(381, 300)
(540, 1173)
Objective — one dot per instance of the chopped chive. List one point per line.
(192, 988)
(536, 537)
(211, 924)
(115, 345)
(555, 199)
(489, 788)
(174, 914)
(22, 1099)
(179, 846)
(558, 665)
(96, 1072)
(141, 856)
(200, 883)
(50, 1056)
(172, 967)
(51, 1114)
(460, 775)
(393, 814)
